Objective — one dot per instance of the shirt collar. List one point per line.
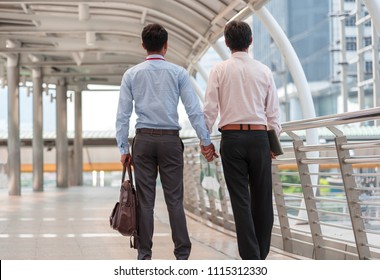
(155, 56)
(240, 54)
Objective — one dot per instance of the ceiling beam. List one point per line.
(72, 64)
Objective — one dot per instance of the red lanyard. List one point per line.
(155, 58)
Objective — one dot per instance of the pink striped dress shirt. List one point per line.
(244, 91)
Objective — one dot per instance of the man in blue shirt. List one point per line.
(155, 87)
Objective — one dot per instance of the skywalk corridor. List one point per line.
(329, 209)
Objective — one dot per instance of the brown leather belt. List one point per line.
(244, 127)
(152, 131)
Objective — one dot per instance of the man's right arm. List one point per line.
(193, 109)
(272, 107)
(211, 103)
(194, 112)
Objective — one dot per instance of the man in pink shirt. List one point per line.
(243, 91)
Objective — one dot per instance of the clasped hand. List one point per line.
(209, 152)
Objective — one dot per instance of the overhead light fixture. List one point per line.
(83, 12)
(143, 16)
(77, 56)
(90, 38)
(12, 44)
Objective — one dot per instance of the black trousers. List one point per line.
(164, 154)
(247, 163)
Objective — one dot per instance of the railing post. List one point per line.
(310, 204)
(208, 190)
(281, 210)
(228, 222)
(190, 184)
(198, 186)
(352, 195)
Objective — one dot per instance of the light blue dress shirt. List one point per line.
(155, 86)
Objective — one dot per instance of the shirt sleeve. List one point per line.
(211, 104)
(193, 109)
(124, 111)
(272, 107)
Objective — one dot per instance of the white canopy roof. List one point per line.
(94, 42)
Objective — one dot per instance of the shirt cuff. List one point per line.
(124, 150)
(205, 142)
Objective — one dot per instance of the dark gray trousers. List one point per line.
(246, 163)
(164, 154)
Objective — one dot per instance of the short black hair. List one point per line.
(154, 36)
(238, 35)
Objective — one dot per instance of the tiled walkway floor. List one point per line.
(72, 224)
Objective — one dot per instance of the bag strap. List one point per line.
(129, 173)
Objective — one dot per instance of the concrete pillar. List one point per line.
(61, 143)
(14, 155)
(78, 141)
(38, 142)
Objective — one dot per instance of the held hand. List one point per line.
(209, 152)
(126, 159)
(273, 155)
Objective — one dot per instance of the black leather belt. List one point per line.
(152, 131)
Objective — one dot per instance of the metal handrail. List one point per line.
(311, 209)
(333, 120)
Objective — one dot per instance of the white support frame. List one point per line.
(293, 63)
(374, 10)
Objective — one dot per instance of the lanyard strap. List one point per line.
(155, 58)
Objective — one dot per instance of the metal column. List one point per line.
(294, 66)
(78, 141)
(374, 10)
(375, 71)
(360, 53)
(343, 57)
(14, 155)
(221, 50)
(61, 143)
(38, 142)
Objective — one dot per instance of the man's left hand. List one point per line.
(209, 152)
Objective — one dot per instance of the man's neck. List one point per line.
(234, 51)
(162, 53)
